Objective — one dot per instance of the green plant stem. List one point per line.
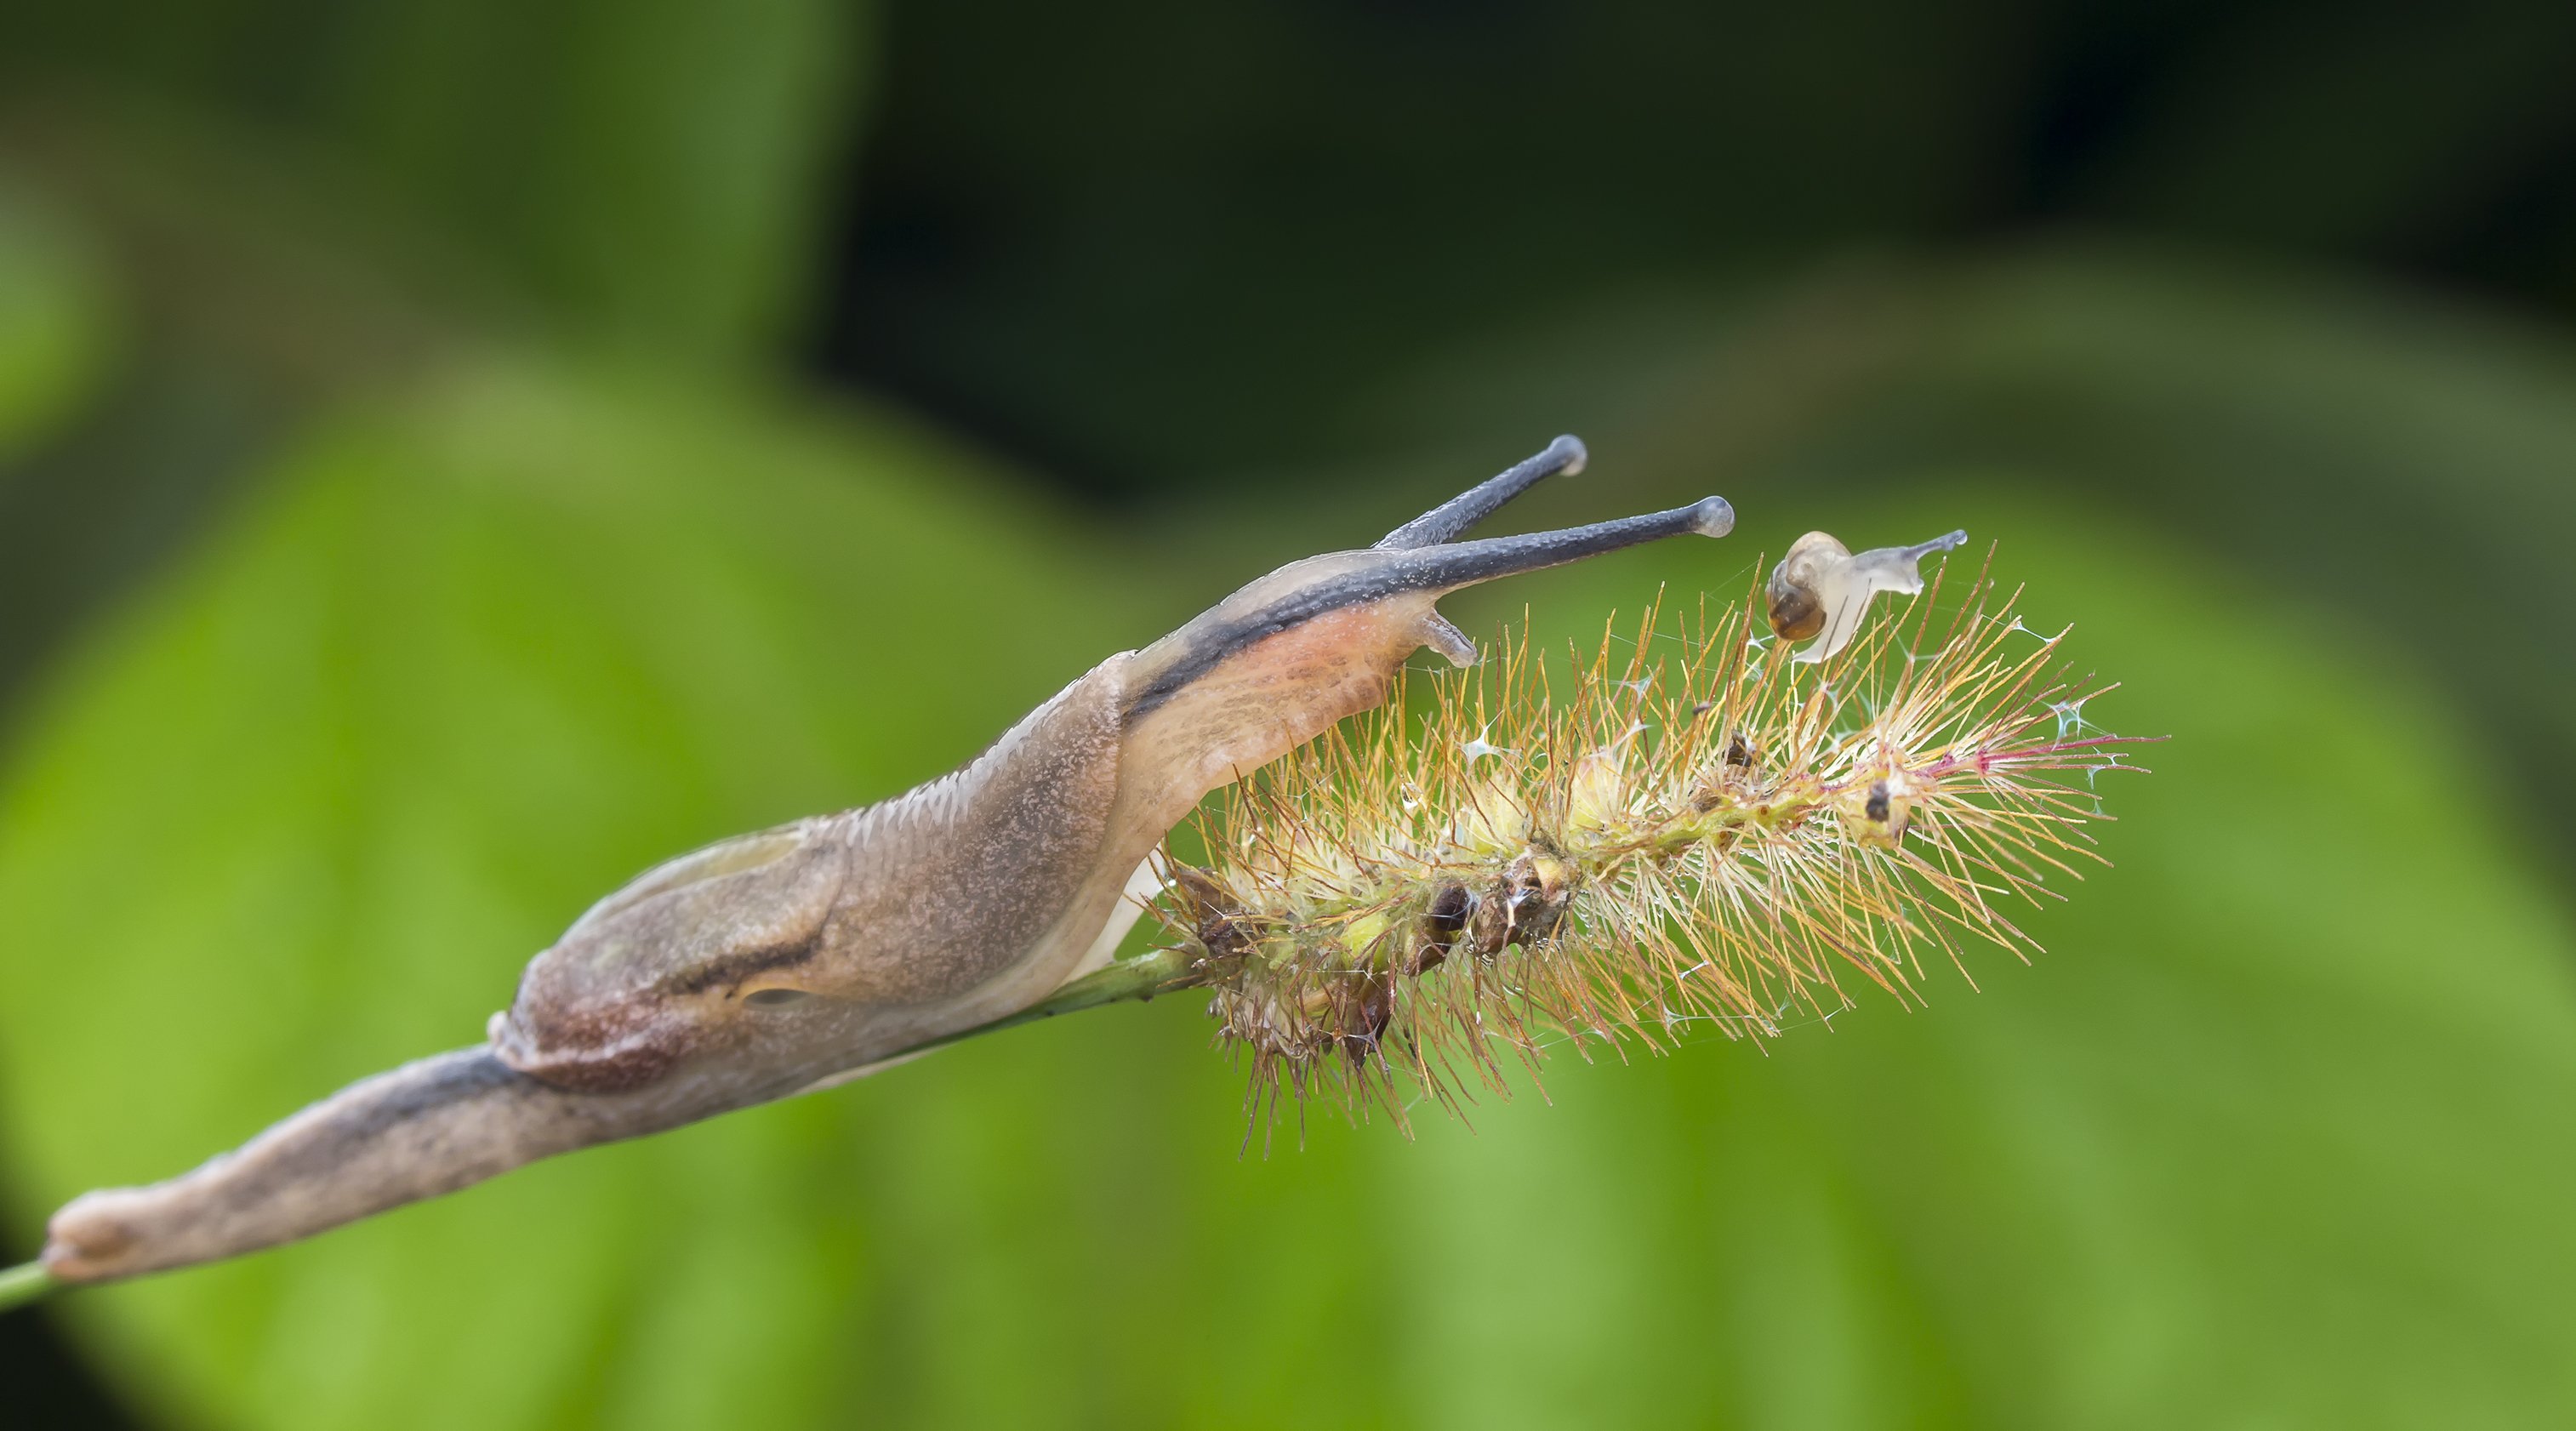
(1157, 972)
(1127, 980)
(27, 1282)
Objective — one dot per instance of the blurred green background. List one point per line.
(454, 454)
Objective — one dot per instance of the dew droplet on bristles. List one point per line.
(1674, 833)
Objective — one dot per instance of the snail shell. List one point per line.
(1796, 611)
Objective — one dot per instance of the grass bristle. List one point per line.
(1696, 832)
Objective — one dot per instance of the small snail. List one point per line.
(1821, 589)
(785, 961)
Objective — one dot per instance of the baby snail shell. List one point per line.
(1796, 611)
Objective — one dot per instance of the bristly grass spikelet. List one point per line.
(1696, 831)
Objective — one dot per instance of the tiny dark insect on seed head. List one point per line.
(1439, 926)
(1362, 1010)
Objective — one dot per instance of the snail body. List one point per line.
(1821, 589)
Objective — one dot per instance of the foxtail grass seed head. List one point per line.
(1696, 829)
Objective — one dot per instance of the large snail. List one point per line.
(783, 961)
